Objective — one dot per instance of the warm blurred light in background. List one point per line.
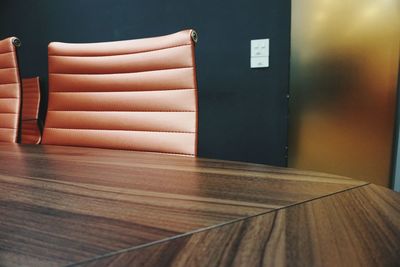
(344, 69)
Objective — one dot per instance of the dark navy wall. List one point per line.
(242, 111)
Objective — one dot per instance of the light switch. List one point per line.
(259, 53)
(259, 62)
(260, 48)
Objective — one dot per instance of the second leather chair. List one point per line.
(135, 95)
(10, 90)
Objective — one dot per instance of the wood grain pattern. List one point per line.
(359, 227)
(62, 205)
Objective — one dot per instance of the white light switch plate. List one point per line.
(259, 48)
(259, 62)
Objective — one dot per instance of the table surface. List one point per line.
(68, 206)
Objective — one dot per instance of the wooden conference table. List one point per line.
(66, 206)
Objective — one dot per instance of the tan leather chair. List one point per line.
(30, 123)
(10, 90)
(135, 95)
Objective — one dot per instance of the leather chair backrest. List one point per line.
(10, 90)
(135, 95)
(30, 129)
